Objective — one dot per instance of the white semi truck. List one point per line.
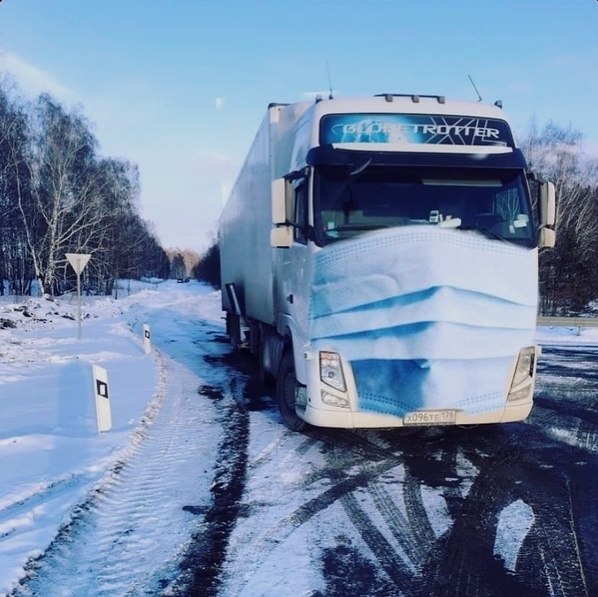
(380, 257)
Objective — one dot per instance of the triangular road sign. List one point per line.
(78, 261)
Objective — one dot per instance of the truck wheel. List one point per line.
(286, 389)
(265, 378)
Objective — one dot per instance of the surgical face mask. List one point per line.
(428, 318)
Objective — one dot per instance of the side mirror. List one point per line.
(281, 195)
(281, 236)
(547, 204)
(547, 209)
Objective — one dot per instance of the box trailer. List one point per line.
(379, 255)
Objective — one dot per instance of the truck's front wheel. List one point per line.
(286, 393)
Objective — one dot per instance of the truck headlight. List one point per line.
(331, 371)
(525, 366)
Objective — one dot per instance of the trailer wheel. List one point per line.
(286, 390)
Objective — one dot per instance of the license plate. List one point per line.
(431, 417)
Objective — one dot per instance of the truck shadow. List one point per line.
(255, 395)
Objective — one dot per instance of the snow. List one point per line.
(437, 510)
(52, 456)
(51, 453)
(514, 523)
(567, 336)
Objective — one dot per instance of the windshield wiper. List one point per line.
(360, 169)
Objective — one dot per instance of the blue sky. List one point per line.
(180, 86)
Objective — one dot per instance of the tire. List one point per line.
(266, 379)
(286, 386)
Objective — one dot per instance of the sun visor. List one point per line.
(335, 156)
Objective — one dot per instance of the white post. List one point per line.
(102, 398)
(78, 262)
(147, 338)
(78, 306)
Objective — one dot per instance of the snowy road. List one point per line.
(500, 510)
(216, 497)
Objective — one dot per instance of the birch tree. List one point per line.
(14, 270)
(57, 195)
(568, 273)
(66, 208)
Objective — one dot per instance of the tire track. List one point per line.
(549, 561)
(551, 558)
(386, 555)
(391, 542)
(346, 468)
(354, 463)
(125, 527)
(28, 507)
(574, 430)
(403, 529)
(202, 563)
(462, 560)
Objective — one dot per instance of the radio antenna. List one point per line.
(330, 96)
(476, 89)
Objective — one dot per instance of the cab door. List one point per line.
(299, 290)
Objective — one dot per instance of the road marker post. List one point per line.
(102, 398)
(147, 338)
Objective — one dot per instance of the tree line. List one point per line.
(58, 195)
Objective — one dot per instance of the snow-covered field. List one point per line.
(51, 454)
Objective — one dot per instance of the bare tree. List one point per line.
(57, 196)
(65, 209)
(14, 264)
(118, 238)
(568, 274)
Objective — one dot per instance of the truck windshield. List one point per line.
(352, 201)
